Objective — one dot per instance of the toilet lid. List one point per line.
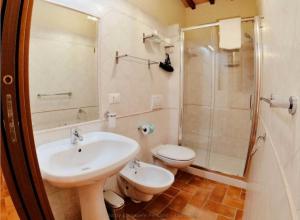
(175, 152)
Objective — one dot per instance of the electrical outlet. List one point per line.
(156, 102)
(114, 98)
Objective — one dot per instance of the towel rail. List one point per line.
(54, 94)
(149, 62)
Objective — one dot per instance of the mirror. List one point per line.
(63, 73)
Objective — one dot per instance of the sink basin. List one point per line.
(86, 165)
(98, 156)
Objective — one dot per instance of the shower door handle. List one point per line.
(250, 105)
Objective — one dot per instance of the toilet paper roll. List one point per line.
(147, 128)
(279, 102)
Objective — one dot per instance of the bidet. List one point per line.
(143, 182)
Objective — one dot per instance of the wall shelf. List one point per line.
(154, 37)
(158, 39)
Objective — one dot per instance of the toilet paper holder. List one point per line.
(140, 128)
(146, 128)
(276, 102)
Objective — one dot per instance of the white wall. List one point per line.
(121, 28)
(275, 171)
(167, 12)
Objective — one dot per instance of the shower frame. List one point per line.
(257, 73)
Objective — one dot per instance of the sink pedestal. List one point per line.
(92, 202)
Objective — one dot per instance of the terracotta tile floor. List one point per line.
(191, 198)
(7, 211)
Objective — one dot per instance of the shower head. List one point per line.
(233, 59)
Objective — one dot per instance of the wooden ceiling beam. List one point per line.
(191, 4)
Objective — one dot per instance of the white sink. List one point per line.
(86, 166)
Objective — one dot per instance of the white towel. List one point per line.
(230, 34)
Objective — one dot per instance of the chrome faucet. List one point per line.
(75, 136)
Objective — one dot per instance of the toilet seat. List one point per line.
(173, 157)
(175, 152)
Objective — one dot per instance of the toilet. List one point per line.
(141, 181)
(173, 157)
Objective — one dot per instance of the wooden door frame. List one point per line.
(18, 154)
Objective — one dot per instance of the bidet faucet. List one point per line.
(75, 136)
(135, 163)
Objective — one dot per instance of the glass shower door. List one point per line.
(218, 86)
(198, 93)
(234, 88)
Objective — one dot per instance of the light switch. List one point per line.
(156, 102)
(114, 98)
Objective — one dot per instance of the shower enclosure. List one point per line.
(219, 98)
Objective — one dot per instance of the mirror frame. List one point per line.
(18, 155)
